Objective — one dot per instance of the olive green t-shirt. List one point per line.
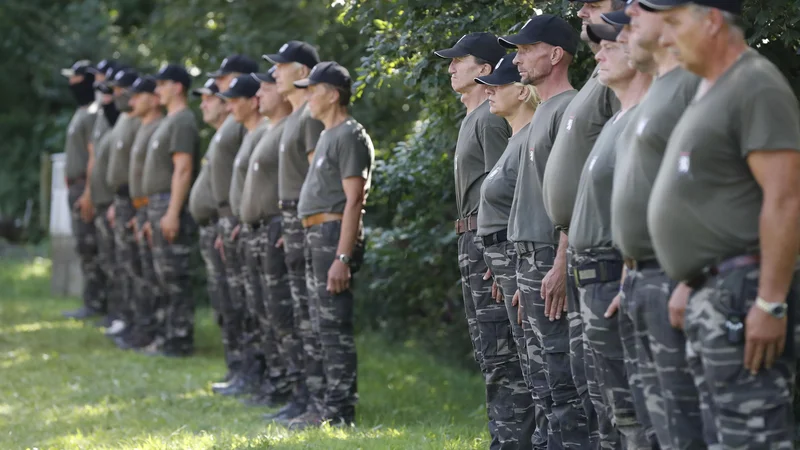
(79, 134)
(177, 134)
(300, 136)
(101, 126)
(102, 193)
(583, 120)
(639, 157)
(529, 221)
(228, 140)
(497, 189)
(242, 162)
(201, 203)
(139, 150)
(591, 218)
(706, 203)
(481, 140)
(260, 193)
(120, 143)
(342, 152)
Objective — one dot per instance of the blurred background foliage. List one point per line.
(410, 285)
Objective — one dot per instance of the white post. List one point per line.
(66, 277)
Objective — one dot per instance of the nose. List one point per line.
(516, 60)
(583, 13)
(451, 69)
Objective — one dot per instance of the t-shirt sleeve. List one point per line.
(312, 128)
(184, 138)
(494, 140)
(354, 156)
(769, 120)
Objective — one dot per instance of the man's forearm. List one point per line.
(89, 168)
(779, 233)
(181, 179)
(561, 251)
(350, 224)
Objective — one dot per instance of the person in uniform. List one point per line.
(121, 211)
(655, 352)
(203, 209)
(228, 140)
(510, 99)
(331, 209)
(78, 170)
(724, 218)
(481, 140)
(167, 179)
(598, 265)
(259, 209)
(582, 121)
(546, 46)
(265, 374)
(293, 62)
(147, 318)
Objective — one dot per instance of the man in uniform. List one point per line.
(167, 179)
(655, 352)
(545, 48)
(204, 212)
(481, 140)
(293, 62)
(78, 169)
(582, 121)
(148, 320)
(121, 212)
(724, 218)
(265, 373)
(331, 209)
(259, 209)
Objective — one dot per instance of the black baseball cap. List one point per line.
(78, 68)
(602, 32)
(294, 51)
(235, 63)
(144, 84)
(176, 73)
(482, 45)
(124, 78)
(328, 72)
(505, 72)
(241, 86)
(616, 18)
(731, 6)
(545, 28)
(103, 66)
(210, 88)
(265, 77)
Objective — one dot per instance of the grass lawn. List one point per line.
(63, 385)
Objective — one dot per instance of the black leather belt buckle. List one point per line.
(285, 205)
(495, 238)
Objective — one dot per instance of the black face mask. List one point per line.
(83, 91)
(122, 101)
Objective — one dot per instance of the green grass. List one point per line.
(65, 386)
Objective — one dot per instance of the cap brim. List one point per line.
(493, 80)
(513, 41)
(67, 72)
(304, 83)
(216, 74)
(262, 77)
(616, 18)
(275, 58)
(450, 53)
(602, 32)
(655, 6)
(202, 91)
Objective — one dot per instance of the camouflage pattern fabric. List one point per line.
(502, 260)
(493, 343)
(752, 412)
(94, 281)
(234, 310)
(127, 257)
(602, 341)
(216, 281)
(106, 260)
(149, 312)
(171, 262)
(567, 411)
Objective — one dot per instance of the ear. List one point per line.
(556, 55)
(523, 93)
(714, 21)
(486, 69)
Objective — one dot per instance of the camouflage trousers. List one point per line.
(663, 388)
(126, 252)
(260, 338)
(234, 311)
(149, 311)
(532, 403)
(216, 280)
(294, 244)
(171, 262)
(279, 311)
(107, 261)
(752, 412)
(602, 341)
(94, 280)
(494, 347)
(569, 427)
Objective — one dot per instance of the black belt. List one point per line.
(495, 238)
(634, 264)
(287, 205)
(524, 248)
(594, 272)
(727, 265)
(123, 191)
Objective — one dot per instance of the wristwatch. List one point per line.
(344, 258)
(777, 310)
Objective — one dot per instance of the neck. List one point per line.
(334, 117)
(297, 98)
(665, 60)
(277, 115)
(252, 122)
(553, 85)
(152, 116)
(631, 92)
(178, 104)
(721, 58)
(521, 117)
(473, 97)
(219, 121)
